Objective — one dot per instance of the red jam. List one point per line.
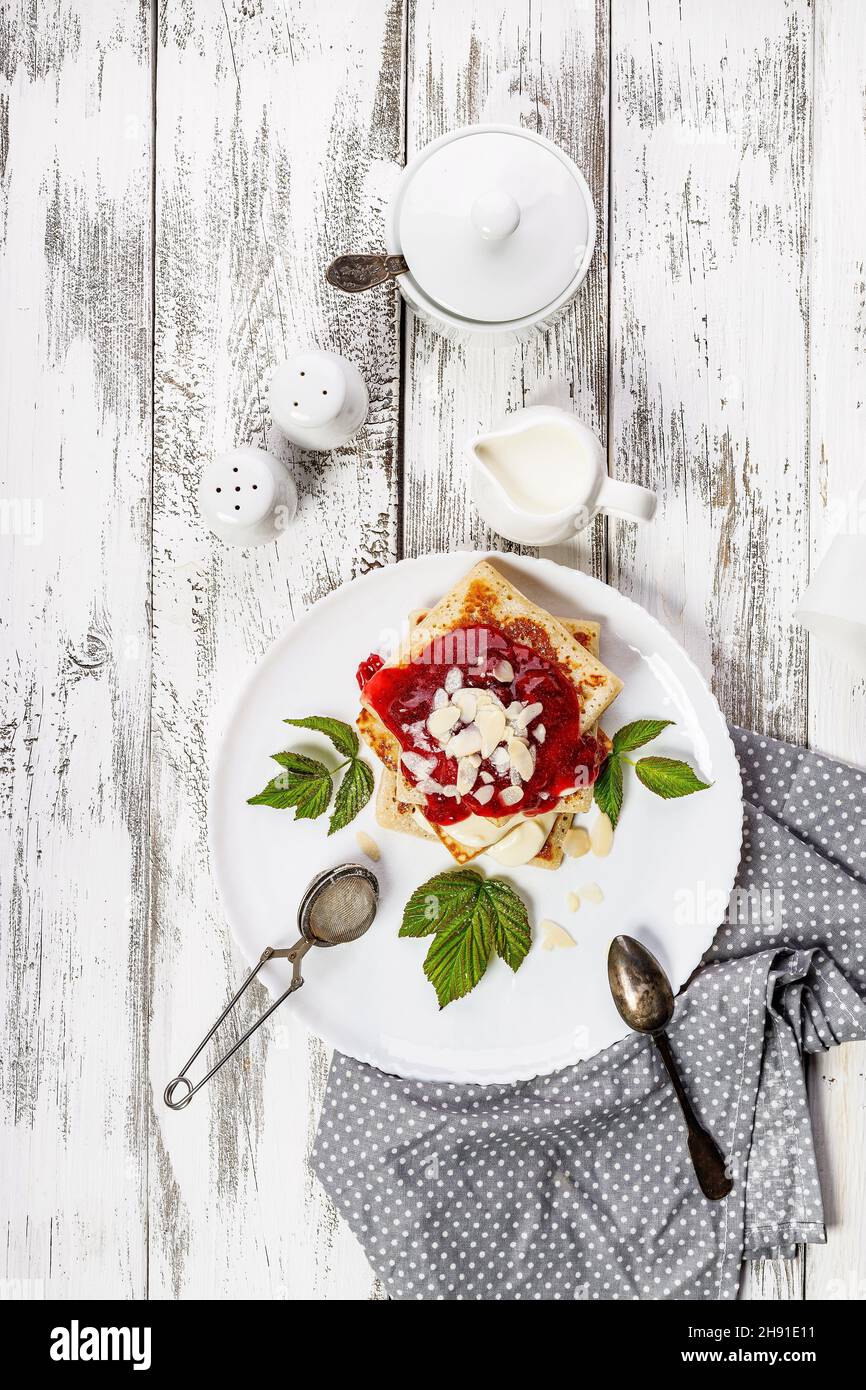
(402, 697)
(367, 669)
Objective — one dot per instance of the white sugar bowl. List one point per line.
(247, 496)
(491, 229)
(318, 399)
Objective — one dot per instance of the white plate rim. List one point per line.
(490, 1077)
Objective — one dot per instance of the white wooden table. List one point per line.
(174, 180)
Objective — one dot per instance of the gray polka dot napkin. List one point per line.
(579, 1185)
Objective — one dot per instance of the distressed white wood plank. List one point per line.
(837, 699)
(75, 223)
(544, 66)
(278, 139)
(709, 343)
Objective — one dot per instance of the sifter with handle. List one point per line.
(337, 907)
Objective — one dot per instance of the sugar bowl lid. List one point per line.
(495, 222)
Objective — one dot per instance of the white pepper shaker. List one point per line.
(247, 496)
(318, 399)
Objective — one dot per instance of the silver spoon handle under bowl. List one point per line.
(707, 1160)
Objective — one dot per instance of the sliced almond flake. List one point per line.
(466, 701)
(555, 936)
(485, 776)
(521, 758)
(515, 709)
(500, 761)
(591, 893)
(441, 721)
(453, 680)
(576, 842)
(417, 764)
(484, 794)
(527, 714)
(490, 723)
(503, 671)
(512, 795)
(467, 771)
(539, 732)
(464, 743)
(601, 836)
(573, 902)
(367, 845)
(440, 698)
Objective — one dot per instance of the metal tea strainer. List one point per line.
(338, 906)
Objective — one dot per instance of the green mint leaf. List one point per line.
(608, 788)
(512, 934)
(439, 901)
(343, 736)
(639, 732)
(302, 783)
(459, 952)
(668, 777)
(469, 918)
(353, 794)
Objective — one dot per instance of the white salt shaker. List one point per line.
(318, 399)
(247, 496)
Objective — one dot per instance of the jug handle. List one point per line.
(355, 273)
(627, 500)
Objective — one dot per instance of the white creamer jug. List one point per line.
(542, 477)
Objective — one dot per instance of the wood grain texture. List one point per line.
(543, 66)
(718, 345)
(75, 246)
(837, 703)
(278, 138)
(709, 344)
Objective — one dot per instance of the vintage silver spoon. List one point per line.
(643, 996)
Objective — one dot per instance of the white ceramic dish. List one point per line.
(667, 880)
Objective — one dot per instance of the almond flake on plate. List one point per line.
(601, 836)
(555, 936)
(573, 902)
(367, 845)
(591, 893)
(576, 842)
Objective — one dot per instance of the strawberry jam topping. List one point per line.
(472, 658)
(367, 669)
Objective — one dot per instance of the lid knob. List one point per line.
(495, 215)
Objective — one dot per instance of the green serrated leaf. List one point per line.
(668, 777)
(343, 736)
(469, 918)
(299, 765)
(439, 901)
(639, 732)
(512, 933)
(302, 783)
(608, 788)
(459, 952)
(353, 794)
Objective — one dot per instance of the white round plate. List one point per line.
(667, 880)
